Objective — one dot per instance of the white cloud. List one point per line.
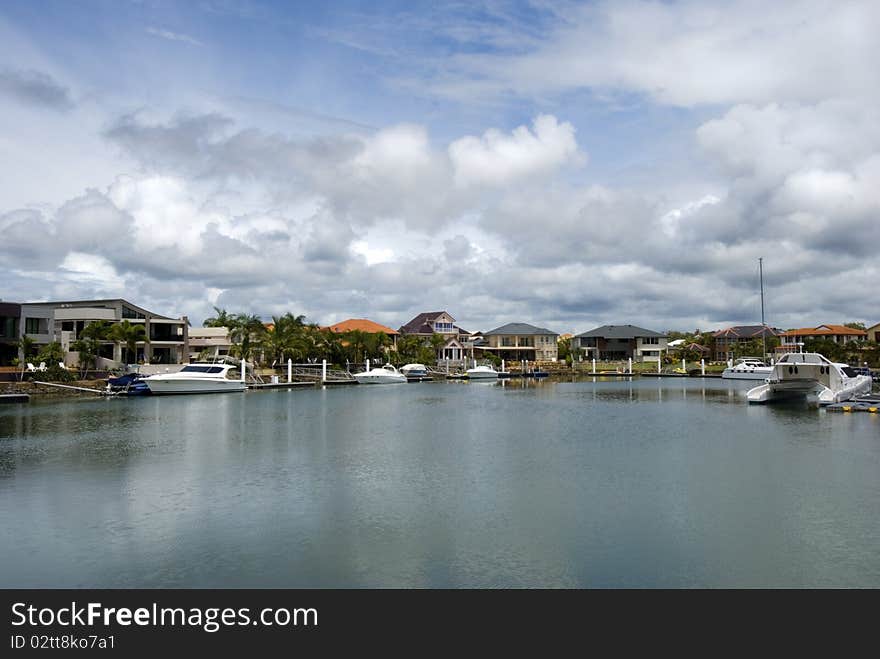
(686, 53)
(499, 159)
(173, 36)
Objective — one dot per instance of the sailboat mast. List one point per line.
(763, 325)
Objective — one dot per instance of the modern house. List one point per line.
(793, 340)
(367, 326)
(726, 340)
(521, 341)
(10, 317)
(214, 342)
(48, 322)
(456, 341)
(618, 342)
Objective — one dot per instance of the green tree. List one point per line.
(246, 331)
(564, 350)
(25, 347)
(129, 335)
(833, 351)
(856, 326)
(89, 342)
(408, 347)
(51, 354)
(222, 319)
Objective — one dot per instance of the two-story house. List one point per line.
(726, 341)
(10, 316)
(521, 341)
(456, 341)
(793, 340)
(48, 322)
(619, 342)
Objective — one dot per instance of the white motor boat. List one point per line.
(414, 370)
(813, 376)
(385, 375)
(482, 373)
(195, 379)
(747, 368)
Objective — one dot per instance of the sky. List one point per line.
(565, 164)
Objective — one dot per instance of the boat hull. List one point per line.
(482, 376)
(812, 376)
(376, 379)
(167, 387)
(731, 374)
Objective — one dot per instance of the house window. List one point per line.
(650, 340)
(506, 341)
(32, 326)
(443, 327)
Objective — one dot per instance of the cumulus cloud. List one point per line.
(496, 221)
(498, 159)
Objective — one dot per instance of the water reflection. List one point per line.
(521, 482)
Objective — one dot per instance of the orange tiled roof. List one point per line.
(827, 330)
(361, 324)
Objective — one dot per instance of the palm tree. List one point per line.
(88, 344)
(222, 319)
(246, 332)
(437, 341)
(25, 346)
(129, 335)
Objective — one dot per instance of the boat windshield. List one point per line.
(201, 369)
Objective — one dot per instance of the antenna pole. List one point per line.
(763, 325)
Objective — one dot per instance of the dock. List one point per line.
(15, 398)
(870, 404)
(87, 390)
(280, 385)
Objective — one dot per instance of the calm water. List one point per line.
(563, 484)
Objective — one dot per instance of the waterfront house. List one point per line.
(726, 341)
(366, 326)
(793, 340)
(48, 322)
(10, 316)
(456, 341)
(215, 342)
(620, 342)
(874, 333)
(521, 341)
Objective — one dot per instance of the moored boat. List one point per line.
(385, 375)
(414, 370)
(130, 384)
(747, 368)
(812, 376)
(482, 373)
(195, 379)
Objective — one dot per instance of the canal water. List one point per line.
(609, 483)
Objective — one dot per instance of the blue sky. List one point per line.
(567, 164)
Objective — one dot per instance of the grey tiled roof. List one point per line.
(519, 329)
(620, 332)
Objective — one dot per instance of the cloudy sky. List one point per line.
(567, 164)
